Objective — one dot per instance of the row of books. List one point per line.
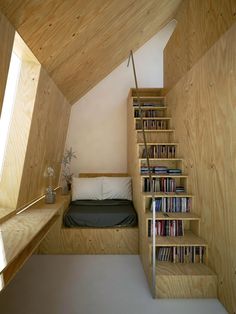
(160, 170)
(172, 204)
(151, 124)
(159, 103)
(151, 113)
(172, 228)
(159, 151)
(165, 185)
(181, 254)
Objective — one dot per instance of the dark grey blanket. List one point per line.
(100, 214)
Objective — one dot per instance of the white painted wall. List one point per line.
(97, 128)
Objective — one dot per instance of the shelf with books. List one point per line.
(176, 223)
(152, 124)
(164, 184)
(181, 254)
(149, 112)
(158, 151)
(162, 170)
(176, 204)
(171, 227)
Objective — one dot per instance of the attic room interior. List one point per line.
(117, 156)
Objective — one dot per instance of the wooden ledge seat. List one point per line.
(21, 235)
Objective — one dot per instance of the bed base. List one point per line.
(62, 240)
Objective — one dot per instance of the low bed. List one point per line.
(101, 214)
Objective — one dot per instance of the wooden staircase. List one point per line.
(181, 261)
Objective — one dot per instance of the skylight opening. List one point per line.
(8, 104)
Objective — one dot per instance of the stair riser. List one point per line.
(186, 287)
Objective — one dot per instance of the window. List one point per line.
(8, 104)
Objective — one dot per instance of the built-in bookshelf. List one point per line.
(181, 254)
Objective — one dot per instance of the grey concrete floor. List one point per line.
(91, 284)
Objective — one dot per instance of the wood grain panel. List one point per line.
(46, 140)
(202, 105)
(200, 25)
(7, 33)
(80, 42)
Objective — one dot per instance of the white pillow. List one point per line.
(117, 188)
(86, 188)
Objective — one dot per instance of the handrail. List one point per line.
(131, 56)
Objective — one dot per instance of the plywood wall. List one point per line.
(46, 140)
(7, 33)
(203, 107)
(200, 24)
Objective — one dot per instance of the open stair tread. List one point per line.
(162, 194)
(153, 118)
(157, 107)
(159, 159)
(188, 239)
(157, 131)
(181, 176)
(174, 216)
(158, 143)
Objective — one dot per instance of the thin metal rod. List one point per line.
(131, 57)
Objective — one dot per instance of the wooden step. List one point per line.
(151, 107)
(148, 91)
(176, 280)
(173, 216)
(188, 239)
(155, 118)
(158, 143)
(157, 131)
(149, 97)
(161, 159)
(168, 194)
(181, 176)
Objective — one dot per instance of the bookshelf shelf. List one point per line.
(162, 194)
(181, 176)
(162, 159)
(151, 107)
(173, 216)
(157, 131)
(154, 118)
(148, 97)
(189, 239)
(158, 143)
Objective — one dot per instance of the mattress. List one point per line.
(100, 214)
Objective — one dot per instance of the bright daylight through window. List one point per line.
(8, 105)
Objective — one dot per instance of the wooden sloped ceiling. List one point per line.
(79, 42)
